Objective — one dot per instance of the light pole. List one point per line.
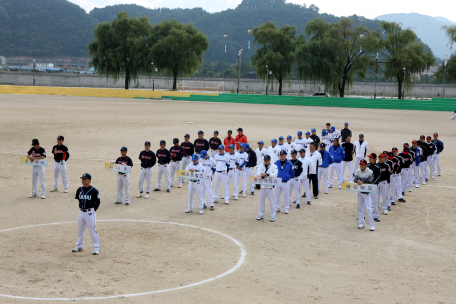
(444, 71)
(239, 67)
(375, 70)
(267, 78)
(403, 87)
(154, 69)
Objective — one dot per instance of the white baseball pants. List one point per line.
(364, 203)
(60, 168)
(355, 164)
(282, 188)
(187, 160)
(423, 169)
(295, 184)
(430, 162)
(350, 170)
(375, 202)
(338, 168)
(220, 178)
(232, 177)
(175, 166)
(249, 172)
(306, 186)
(123, 183)
(383, 190)
(195, 188)
(241, 177)
(145, 174)
(38, 173)
(437, 163)
(396, 187)
(406, 179)
(163, 169)
(88, 219)
(323, 172)
(269, 193)
(206, 191)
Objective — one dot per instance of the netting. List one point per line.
(201, 86)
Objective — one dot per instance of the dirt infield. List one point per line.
(315, 254)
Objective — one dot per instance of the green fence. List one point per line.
(407, 104)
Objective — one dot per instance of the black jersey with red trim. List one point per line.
(147, 159)
(201, 144)
(163, 156)
(189, 149)
(176, 152)
(60, 153)
(214, 143)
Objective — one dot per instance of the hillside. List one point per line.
(426, 27)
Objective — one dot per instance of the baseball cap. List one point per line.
(147, 143)
(313, 130)
(363, 162)
(186, 135)
(346, 124)
(230, 146)
(35, 142)
(302, 150)
(406, 149)
(281, 137)
(267, 157)
(203, 153)
(246, 146)
(373, 155)
(86, 175)
(299, 132)
(322, 145)
(394, 149)
(436, 134)
(294, 151)
(385, 152)
(282, 152)
(222, 147)
(413, 141)
(421, 136)
(123, 149)
(406, 145)
(381, 155)
(261, 142)
(241, 145)
(200, 132)
(239, 129)
(162, 142)
(60, 137)
(274, 140)
(195, 157)
(390, 155)
(361, 135)
(289, 137)
(175, 140)
(307, 133)
(323, 132)
(229, 131)
(216, 132)
(428, 137)
(333, 128)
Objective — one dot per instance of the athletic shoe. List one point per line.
(227, 202)
(33, 196)
(96, 252)
(252, 193)
(298, 206)
(201, 211)
(147, 195)
(278, 210)
(118, 203)
(127, 204)
(43, 196)
(326, 192)
(308, 203)
(340, 187)
(273, 219)
(388, 208)
(167, 190)
(417, 185)
(440, 174)
(424, 183)
(393, 203)
(236, 198)
(433, 177)
(315, 197)
(55, 190)
(294, 202)
(259, 218)
(179, 186)
(304, 195)
(205, 206)
(244, 195)
(216, 201)
(403, 193)
(376, 219)
(212, 207)
(189, 211)
(372, 228)
(286, 211)
(360, 226)
(78, 249)
(156, 189)
(172, 185)
(139, 195)
(410, 190)
(240, 192)
(66, 190)
(330, 186)
(427, 179)
(385, 212)
(401, 200)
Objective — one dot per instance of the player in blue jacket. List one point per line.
(338, 153)
(286, 173)
(326, 160)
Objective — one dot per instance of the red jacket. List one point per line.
(240, 139)
(227, 142)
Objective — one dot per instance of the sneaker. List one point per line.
(417, 185)
(433, 177)
(401, 200)
(147, 195)
(139, 195)
(212, 207)
(156, 189)
(298, 206)
(308, 203)
(360, 226)
(376, 219)
(440, 174)
(424, 183)
(294, 202)
(252, 193)
(205, 207)
(118, 203)
(286, 211)
(227, 202)
(393, 203)
(43, 196)
(55, 190)
(240, 192)
(304, 195)
(201, 211)
(326, 192)
(330, 186)
(315, 197)
(236, 198)
(278, 210)
(96, 252)
(127, 204)
(372, 228)
(179, 186)
(78, 249)
(167, 190)
(66, 190)
(427, 179)
(340, 187)
(33, 196)
(385, 212)
(410, 190)
(388, 208)
(273, 219)
(172, 185)
(188, 211)
(259, 218)
(403, 193)
(244, 195)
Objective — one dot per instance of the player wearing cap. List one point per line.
(432, 151)
(194, 185)
(261, 152)
(89, 202)
(338, 155)
(299, 141)
(391, 166)
(304, 177)
(37, 152)
(214, 142)
(453, 116)
(123, 178)
(266, 169)
(286, 172)
(439, 145)
(229, 140)
(221, 166)
(364, 175)
(251, 163)
(206, 185)
(427, 153)
(281, 145)
(315, 162)
(360, 148)
(326, 138)
(423, 163)
(376, 170)
(240, 138)
(315, 137)
(335, 133)
(177, 153)
(61, 156)
(417, 153)
(232, 171)
(408, 158)
(201, 143)
(349, 149)
(273, 151)
(241, 175)
(345, 132)
(308, 140)
(326, 160)
(383, 186)
(290, 147)
(163, 159)
(395, 179)
(189, 149)
(148, 160)
(295, 182)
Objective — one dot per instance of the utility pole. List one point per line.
(444, 71)
(239, 67)
(375, 70)
(267, 78)
(403, 86)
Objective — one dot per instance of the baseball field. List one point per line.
(153, 252)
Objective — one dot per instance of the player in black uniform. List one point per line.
(35, 153)
(201, 143)
(349, 149)
(425, 146)
(408, 157)
(123, 179)
(397, 174)
(163, 159)
(148, 160)
(376, 170)
(189, 149)
(432, 150)
(383, 186)
(61, 156)
(295, 182)
(315, 137)
(89, 201)
(177, 153)
(214, 142)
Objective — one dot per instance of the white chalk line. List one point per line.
(427, 185)
(236, 267)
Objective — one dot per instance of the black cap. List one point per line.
(267, 157)
(147, 143)
(86, 175)
(216, 132)
(162, 142)
(282, 152)
(175, 141)
(373, 155)
(186, 135)
(229, 131)
(394, 149)
(363, 162)
(200, 132)
(239, 129)
(322, 145)
(60, 137)
(294, 151)
(302, 150)
(390, 154)
(406, 149)
(124, 149)
(35, 142)
(361, 135)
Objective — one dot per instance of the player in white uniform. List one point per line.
(334, 134)
(266, 169)
(306, 163)
(261, 152)
(308, 140)
(241, 176)
(206, 185)
(61, 155)
(36, 153)
(232, 170)
(221, 164)
(326, 138)
(194, 185)
(273, 151)
(123, 179)
(299, 141)
(290, 146)
(281, 145)
(361, 147)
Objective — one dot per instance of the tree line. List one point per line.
(447, 70)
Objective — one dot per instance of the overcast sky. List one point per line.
(369, 9)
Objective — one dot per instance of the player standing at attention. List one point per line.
(281, 145)
(326, 138)
(261, 152)
(426, 153)
(243, 159)
(432, 151)
(233, 161)
(290, 146)
(240, 138)
(360, 147)
(300, 142)
(408, 159)
(315, 137)
(345, 132)
(148, 160)
(417, 152)
(194, 185)
(326, 161)
(304, 179)
(61, 156)
(315, 162)
(273, 151)
(189, 149)
(229, 140)
(123, 178)
(214, 142)
(89, 201)
(163, 159)
(364, 176)
(286, 172)
(295, 183)
(423, 162)
(201, 143)
(251, 163)
(221, 166)
(266, 169)
(37, 152)
(338, 154)
(439, 145)
(376, 170)
(348, 159)
(308, 140)
(383, 186)
(395, 179)
(177, 153)
(206, 185)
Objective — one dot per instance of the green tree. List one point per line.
(122, 47)
(450, 32)
(447, 70)
(405, 56)
(179, 49)
(276, 50)
(230, 73)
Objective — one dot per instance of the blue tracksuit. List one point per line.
(326, 159)
(418, 155)
(338, 154)
(287, 172)
(438, 145)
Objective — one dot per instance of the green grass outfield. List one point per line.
(407, 104)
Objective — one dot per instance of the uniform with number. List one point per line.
(221, 165)
(200, 145)
(241, 175)
(439, 146)
(148, 161)
(364, 198)
(300, 143)
(430, 161)
(213, 144)
(266, 190)
(383, 186)
(206, 185)
(295, 182)
(326, 160)
(307, 144)
(360, 148)
(282, 147)
(406, 172)
(233, 161)
(189, 149)
(290, 146)
(415, 168)
(286, 172)
(260, 154)
(423, 164)
(274, 153)
(61, 156)
(38, 171)
(395, 179)
(249, 167)
(163, 159)
(194, 187)
(348, 159)
(376, 170)
(338, 154)
(315, 159)
(304, 177)
(123, 180)
(177, 153)
(89, 201)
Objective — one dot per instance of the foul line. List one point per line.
(236, 267)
